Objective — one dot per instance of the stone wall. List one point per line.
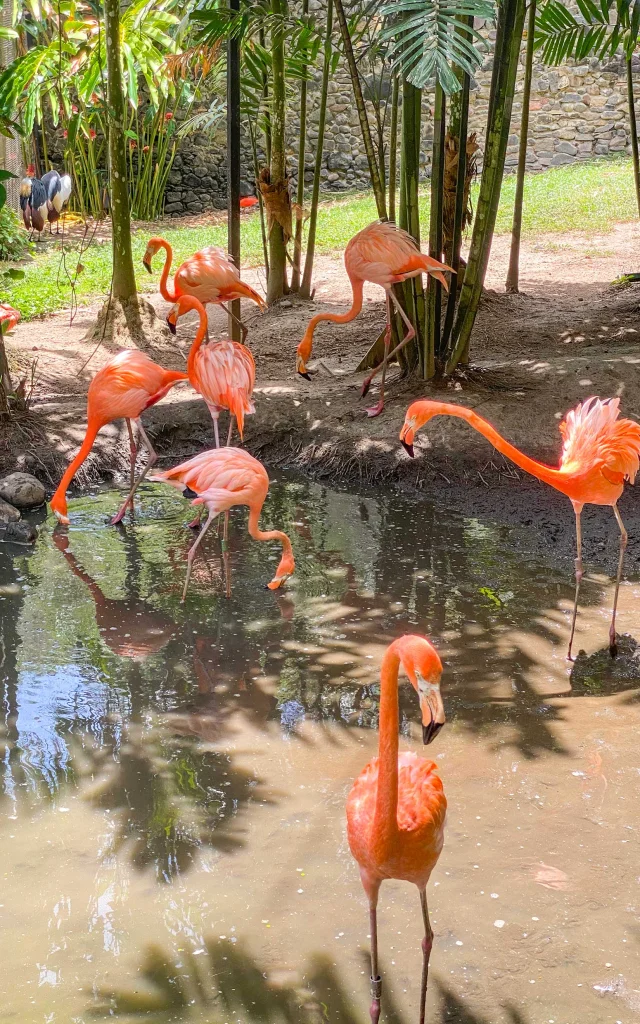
(577, 112)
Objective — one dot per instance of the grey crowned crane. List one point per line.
(33, 201)
(58, 189)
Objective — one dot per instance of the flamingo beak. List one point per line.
(304, 374)
(171, 326)
(409, 450)
(188, 493)
(430, 731)
(146, 263)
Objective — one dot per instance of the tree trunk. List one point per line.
(233, 166)
(513, 273)
(374, 173)
(633, 128)
(277, 197)
(124, 281)
(393, 148)
(507, 51)
(305, 289)
(458, 124)
(411, 293)
(297, 244)
(434, 288)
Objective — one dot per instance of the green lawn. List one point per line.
(588, 197)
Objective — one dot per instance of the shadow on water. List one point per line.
(220, 980)
(98, 647)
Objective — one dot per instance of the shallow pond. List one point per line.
(173, 776)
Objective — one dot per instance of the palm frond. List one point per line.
(425, 44)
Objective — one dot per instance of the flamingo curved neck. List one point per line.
(164, 288)
(357, 287)
(386, 813)
(555, 477)
(197, 342)
(258, 534)
(58, 501)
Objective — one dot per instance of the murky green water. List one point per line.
(173, 776)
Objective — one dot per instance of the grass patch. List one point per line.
(590, 197)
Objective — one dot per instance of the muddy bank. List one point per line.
(535, 356)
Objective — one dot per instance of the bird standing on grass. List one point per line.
(385, 255)
(209, 275)
(599, 455)
(33, 201)
(396, 808)
(222, 478)
(58, 189)
(126, 386)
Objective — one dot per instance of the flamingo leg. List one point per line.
(376, 980)
(579, 575)
(153, 458)
(229, 435)
(427, 944)
(377, 409)
(192, 552)
(405, 341)
(225, 555)
(133, 452)
(613, 647)
(243, 327)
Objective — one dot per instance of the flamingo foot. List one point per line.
(375, 410)
(119, 516)
(376, 992)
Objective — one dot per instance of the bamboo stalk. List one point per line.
(633, 130)
(297, 242)
(434, 288)
(513, 273)
(305, 288)
(393, 148)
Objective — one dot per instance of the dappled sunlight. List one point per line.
(174, 775)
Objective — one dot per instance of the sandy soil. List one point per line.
(568, 335)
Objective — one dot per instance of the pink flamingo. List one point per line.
(385, 255)
(396, 807)
(222, 478)
(209, 275)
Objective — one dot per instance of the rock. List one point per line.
(561, 158)
(18, 533)
(8, 514)
(567, 147)
(22, 490)
(599, 673)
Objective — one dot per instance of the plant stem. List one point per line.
(233, 166)
(124, 281)
(393, 148)
(507, 52)
(305, 289)
(434, 288)
(513, 273)
(277, 284)
(633, 129)
(374, 173)
(297, 244)
(458, 126)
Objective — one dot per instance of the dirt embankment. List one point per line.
(568, 336)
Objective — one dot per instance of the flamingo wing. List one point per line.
(593, 434)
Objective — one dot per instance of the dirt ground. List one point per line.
(568, 335)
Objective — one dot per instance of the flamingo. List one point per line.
(9, 318)
(396, 808)
(209, 275)
(599, 454)
(223, 373)
(385, 255)
(126, 386)
(222, 478)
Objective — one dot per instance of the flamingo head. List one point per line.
(184, 304)
(422, 665)
(152, 247)
(58, 505)
(285, 569)
(302, 354)
(417, 415)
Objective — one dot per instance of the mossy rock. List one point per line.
(599, 674)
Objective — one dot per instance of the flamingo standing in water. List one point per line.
(599, 454)
(396, 808)
(126, 386)
(224, 372)
(209, 275)
(220, 479)
(385, 255)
